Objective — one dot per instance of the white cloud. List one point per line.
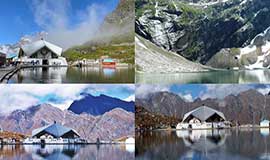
(53, 17)
(130, 98)
(144, 90)
(220, 91)
(9, 104)
(22, 96)
(186, 97)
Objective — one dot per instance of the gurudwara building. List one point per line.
(42, 53)
(203, 118)
(54, 134)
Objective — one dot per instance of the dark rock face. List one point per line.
(199, 32)
(245, 108)
(112, 125)
(99, 105)
(225, 58)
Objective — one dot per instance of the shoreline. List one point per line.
(4, 78)
(216, 70)
(236, 128)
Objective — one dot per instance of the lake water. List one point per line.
(245, 76)
(74, 75)
(203, 145)
(66, 152)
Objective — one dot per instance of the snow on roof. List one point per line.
(203, 113)
(265, 121)
(55, 129)
(29, 49)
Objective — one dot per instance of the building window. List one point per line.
(54, 55)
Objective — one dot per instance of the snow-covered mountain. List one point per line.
(255, 55)
(27, 39)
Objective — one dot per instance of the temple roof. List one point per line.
(55, 129)
(203, 113)
(29, 49)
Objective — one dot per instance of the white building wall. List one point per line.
(264, 124)
(61, 61)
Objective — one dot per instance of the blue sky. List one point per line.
(59, 95)
(19, 17)
(191, 92)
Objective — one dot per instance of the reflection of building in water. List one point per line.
(42, 53)
(264, 131)
(54, 134)
(203, 118)
(109, 72)
(47, 74)
(55, 152)
(202, 141)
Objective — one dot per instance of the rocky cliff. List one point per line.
(198, 29)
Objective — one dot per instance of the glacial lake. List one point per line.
(67, 152)
(74, 75)
(243, 76)
(203, 145)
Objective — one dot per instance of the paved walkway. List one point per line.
(4, 71)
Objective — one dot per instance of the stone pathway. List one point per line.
(4, 71)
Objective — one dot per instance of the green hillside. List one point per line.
(125, 53)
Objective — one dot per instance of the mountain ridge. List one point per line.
(109, 126)
(198, 31)
(96, 105)
(240, 108)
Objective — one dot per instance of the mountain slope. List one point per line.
(199, 29)
(98, 105)
(152, 59)
(147, 120)
(243, 108)
(114, 124)
(118, 27)
(115, 37)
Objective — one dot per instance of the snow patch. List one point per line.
(175, 6)
(157, 10)
(138, 42)
(259, 63)
(206, 4)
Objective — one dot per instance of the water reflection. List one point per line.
(203, 140)
(247, 76)
(74, 75)
(203, 144)
(66, 152)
